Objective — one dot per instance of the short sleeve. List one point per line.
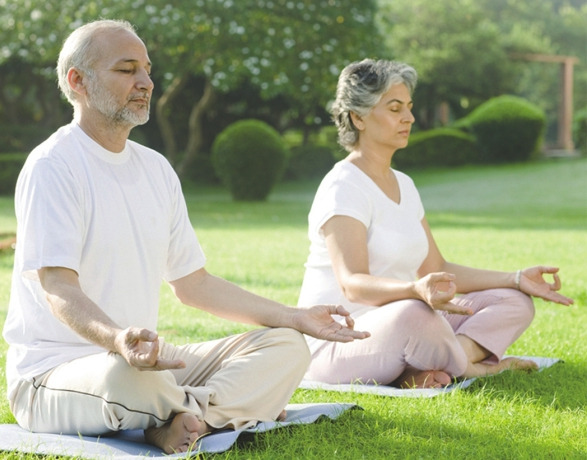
(339, 198)
(49, 207)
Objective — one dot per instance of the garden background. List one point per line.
(217, 62)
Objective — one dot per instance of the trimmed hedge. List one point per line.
(22, 138)
(309, 162)
(10, 166)
(437, 147)
(249, 157)
(508, 129)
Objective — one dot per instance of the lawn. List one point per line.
(502, 217)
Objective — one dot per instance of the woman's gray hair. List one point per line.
(77, 51)
(360, 87)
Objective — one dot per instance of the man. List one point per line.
(101, 221)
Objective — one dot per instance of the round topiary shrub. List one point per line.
(437, 147)
(508, 129)
(249, 157)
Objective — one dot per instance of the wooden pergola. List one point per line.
(565, 118)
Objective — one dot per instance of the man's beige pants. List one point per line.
(232, 382)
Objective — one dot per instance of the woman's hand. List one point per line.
(318, 322)
(437, 290)
(532, 282)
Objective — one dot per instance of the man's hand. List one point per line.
(318, 322)
(140, 349)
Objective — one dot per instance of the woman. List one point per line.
(373, 252)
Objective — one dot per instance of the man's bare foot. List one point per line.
(179, 435)
(416, 378)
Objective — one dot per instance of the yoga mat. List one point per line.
(127, 445)
(384, 390)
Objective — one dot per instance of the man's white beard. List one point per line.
(104, 101)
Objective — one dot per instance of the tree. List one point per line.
(560, 28)
(462, 49)
(292, 48)
(456, 50)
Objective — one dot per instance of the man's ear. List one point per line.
(77, 81)
(357, 120)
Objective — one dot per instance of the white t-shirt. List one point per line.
(118, 219)
(396, 241)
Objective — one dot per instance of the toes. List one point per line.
(442, 378)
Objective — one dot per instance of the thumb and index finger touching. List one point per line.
(147, 356)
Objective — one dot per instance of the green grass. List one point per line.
(504, 217)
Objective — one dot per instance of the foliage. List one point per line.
(10, 166)
(249, 157)
(290, 49)
(555, 27)
(437, 147)
(456, 49)
(287, 54)
(309, 162)
(22, 138)
(507, 129)
(580, 130)
(464, 50)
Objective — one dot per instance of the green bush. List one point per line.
(437, 147)
(249, 157)
(22, 138)
(507, 128)
(201, 171)
(580, 130)
(309, 162)
(10, 166)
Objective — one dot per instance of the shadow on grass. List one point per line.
(561, 387)
(364, 434)
(301, 437)
(428, 436)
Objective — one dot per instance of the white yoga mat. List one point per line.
(384, 390)
(127, 445)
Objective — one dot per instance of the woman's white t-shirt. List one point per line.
(396, 241)
(117, 219)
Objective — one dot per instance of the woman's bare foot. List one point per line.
(507, 364)
(282, 416)
(179, 435)
(416, 378)
(516, 364)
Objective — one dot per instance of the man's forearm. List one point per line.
(76, 310)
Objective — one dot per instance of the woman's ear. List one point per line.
(357, 121)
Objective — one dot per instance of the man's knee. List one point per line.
(293, 343)
(121, 377)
